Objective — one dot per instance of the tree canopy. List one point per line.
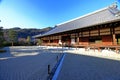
(28, 39)
(12, 36)
(1, 36)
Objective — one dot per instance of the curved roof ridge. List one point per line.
(91, 13)
(113, 6)
(100, 16)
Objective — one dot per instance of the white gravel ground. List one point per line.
(30, 63)
(105, 53)
(83, 67)
(27, 63)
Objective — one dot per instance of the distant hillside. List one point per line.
(23, 33)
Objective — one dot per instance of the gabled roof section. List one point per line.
(105, 15)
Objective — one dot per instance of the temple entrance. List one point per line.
(95, 40)
(66, 40)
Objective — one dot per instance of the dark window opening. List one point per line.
(118, 39)
(95, 40)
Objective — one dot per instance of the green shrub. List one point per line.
(5, 43)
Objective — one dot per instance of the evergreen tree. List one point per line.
(28, 39)
(1, 36)
(39, 41)
(12, 36)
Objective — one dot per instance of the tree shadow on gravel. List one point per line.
(6, 54)
(29, 67)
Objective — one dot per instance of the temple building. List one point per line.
(99, 28)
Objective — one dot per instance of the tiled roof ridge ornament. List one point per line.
(114, 5)
(113, 9)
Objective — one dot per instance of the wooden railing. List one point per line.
(89, 46)
(50, 44)
(99, 47)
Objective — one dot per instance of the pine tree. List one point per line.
(1, 36)
(28, 40)
(12, 36)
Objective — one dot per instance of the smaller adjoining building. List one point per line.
(97, 29)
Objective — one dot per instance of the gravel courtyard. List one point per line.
(31, 63)
(82, 67)
(27, 63)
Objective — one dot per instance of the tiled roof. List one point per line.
(105, 15)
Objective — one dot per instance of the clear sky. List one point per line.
(45, 13)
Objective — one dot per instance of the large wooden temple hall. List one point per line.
(100, 28)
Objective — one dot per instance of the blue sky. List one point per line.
(45, 13)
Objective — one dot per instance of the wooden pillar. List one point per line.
(113, 36)
(78, 40)
(114, 39)
(49, 39)
(60, 40)
(98, 30)
(49, 44)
